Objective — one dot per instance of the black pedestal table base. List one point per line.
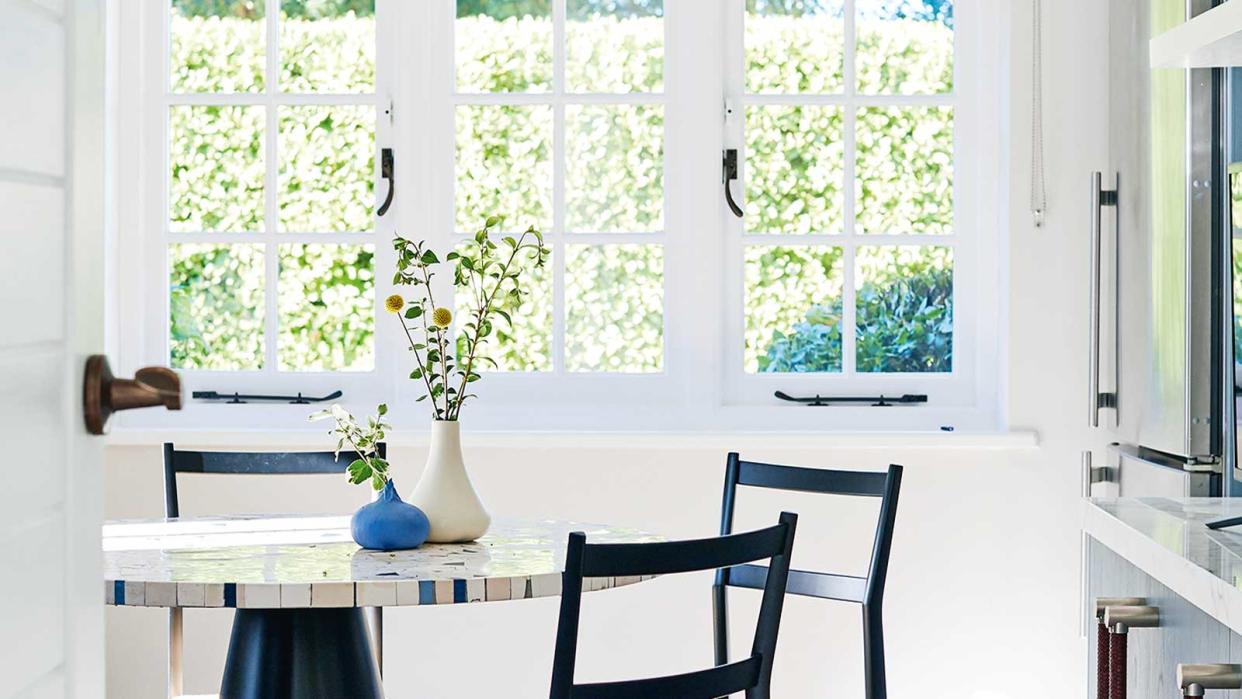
(300, 654)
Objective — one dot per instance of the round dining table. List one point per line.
(299, 585)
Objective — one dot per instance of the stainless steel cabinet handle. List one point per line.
(1100, 198)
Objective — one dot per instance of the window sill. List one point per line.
(597, 439)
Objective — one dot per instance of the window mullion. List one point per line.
(848, 317)
(850, 121)
(271, 260)
(559, 239)
(385, 336)
(159, 157)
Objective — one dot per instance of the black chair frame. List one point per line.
(867, 591)
(249, 463)
(751, 675)
(246, 463)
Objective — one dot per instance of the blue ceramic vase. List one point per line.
(389, 523)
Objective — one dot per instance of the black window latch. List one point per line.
(729, 174)
(386, 172)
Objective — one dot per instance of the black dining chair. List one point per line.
(752, 675)
(246, 463)
(867, 591)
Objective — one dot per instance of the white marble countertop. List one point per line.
(311, 561)
(1167, 539)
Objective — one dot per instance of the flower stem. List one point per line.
(422, 368)
(480, 317)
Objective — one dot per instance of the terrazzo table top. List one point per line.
(311, 561)
(1167, 538)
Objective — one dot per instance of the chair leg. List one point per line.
(376, 623)
(720, 624)
(873, 653)
(175, 621)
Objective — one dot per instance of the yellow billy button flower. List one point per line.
(441, 317)
(394, 303)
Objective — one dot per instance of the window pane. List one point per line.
(326, 298)
(503, 45)
(614, 47)
(526, 345)
(905, 47)
(216, 306)
(795, 167)
(793, 308)
(504, 166)
(217, 46)
(905, 170)
(327, 166)
(614, 168)
(327, 46)
(795, 46)
(904, 308)
(216, 181)
(614, 308)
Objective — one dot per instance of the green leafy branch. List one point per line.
(492, 274)
(364, 440)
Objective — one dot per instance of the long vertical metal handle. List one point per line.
(1111, 399)
(1101, 198)
(1093, 353)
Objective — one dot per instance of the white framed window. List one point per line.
(870, 170)
(853, 272)
(256, 158)
(573, 143)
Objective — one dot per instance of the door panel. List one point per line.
(32, 408)
(32, 266)
(32, 603)
(32, 71)
(52, 248)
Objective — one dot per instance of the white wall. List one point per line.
(954, 566)
(983, 597)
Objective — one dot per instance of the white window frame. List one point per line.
(148, 108)
(955, 396)
(702, 386)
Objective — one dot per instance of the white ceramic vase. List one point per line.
(444, 492)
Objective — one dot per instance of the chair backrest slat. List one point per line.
(671, 557)
(752, 675)
(812, 480)
(249, 463)
(808, 583)
(269, 463)
(719, 681)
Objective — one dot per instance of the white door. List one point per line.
(52, 235)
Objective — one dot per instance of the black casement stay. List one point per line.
(248, 397)
(880, 401)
